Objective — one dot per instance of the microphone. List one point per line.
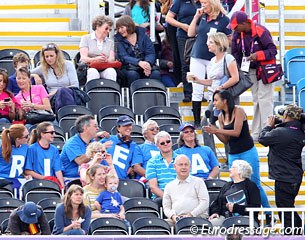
(208, 116)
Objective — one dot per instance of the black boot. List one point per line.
(196, 113)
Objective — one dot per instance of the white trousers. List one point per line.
(108, 73)
(198, 67)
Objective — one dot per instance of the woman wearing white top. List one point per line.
(218, 44)
(97, 47)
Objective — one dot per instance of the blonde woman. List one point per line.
(211, 18)
(96, 151)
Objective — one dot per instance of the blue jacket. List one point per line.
(124, 49)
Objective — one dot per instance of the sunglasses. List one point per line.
(26, 136)
(3, 70)
(51, 132)
(153, 129)
(188, 131)
(48, 47)
(99, 151)
(166, 142)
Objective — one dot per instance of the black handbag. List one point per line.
(188, 49)
(38, 116)
(242, 85)
(81, 71)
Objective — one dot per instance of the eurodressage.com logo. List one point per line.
(259, 231)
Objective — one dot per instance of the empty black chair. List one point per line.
(37, 57)
(108, 226)
(103, 92)
(146, 93)
(6, 59)
(38, 189)
(48, 206)
(238, 221)
(4, 126)
(107, 116)
(214, 186)
(140, 207)
(136, 133)
(7, 205)
(151, 226)
(6, 190)
(51, 223)
(4, 225)
(74, 181)
(172, 129)
(162, 115)
(184, 225)
(131, 188)
(59, 145)
(68, 114)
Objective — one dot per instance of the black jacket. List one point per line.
(285, 142)
(252, 197)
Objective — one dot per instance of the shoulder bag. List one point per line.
(241, 86)
(189, 45)
(269, 71)
(38, 116)
(104, 65)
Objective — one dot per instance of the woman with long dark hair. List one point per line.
(234, 130)
(72, 217)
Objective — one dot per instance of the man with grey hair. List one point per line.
(286, 142)
(186, 196)
(148, 149)
(160, 169)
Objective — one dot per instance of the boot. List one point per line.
(196, 112)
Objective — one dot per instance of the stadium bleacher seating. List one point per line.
(183, 226)
(108, 226)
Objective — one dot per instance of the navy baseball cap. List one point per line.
(185, 125)
(124, 121)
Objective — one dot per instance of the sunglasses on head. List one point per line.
(166, 142)
(3, 70)
(49, 46)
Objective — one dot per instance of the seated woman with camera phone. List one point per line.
(7, 100)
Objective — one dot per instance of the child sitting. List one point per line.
(110, 200)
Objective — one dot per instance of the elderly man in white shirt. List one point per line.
(186, 196)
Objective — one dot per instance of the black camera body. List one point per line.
(281, 111)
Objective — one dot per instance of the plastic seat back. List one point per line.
(146, 93)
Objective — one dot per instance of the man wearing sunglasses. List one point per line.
(160, 169)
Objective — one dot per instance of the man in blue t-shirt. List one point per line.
(123, 149)
(74, 151)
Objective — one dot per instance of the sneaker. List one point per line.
(186, 99)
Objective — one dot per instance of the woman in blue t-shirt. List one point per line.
(43, 158)
(14, 151)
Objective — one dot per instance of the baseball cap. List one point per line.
(237, 18)
(29, 213)
(124, 120)
(185, 125)
(293, 111)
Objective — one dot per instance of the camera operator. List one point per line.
(285, 141)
